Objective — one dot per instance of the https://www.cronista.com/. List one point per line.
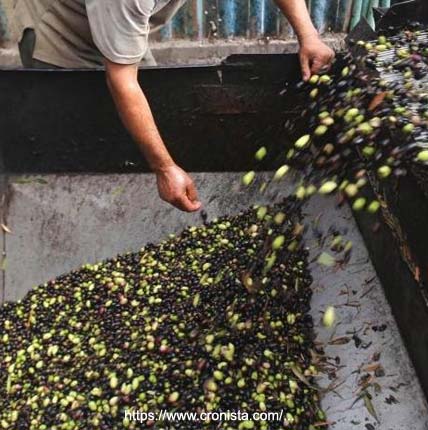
(245, 419)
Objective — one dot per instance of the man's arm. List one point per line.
(175, 186)
(314, 54)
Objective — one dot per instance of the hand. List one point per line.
(315, 56)
(175, 186)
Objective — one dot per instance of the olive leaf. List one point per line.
(369, 405)
(30, 180)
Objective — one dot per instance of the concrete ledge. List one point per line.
(9, 58)
(185, 52)
(196, 52)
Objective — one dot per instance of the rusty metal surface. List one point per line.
(399, 253)
(399, 248)
(404, 11)
(196, 109)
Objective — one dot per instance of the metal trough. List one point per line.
(75, 190)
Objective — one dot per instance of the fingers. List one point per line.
(182, 202)
(177, 188)
(320, 63)
(318, 66)
(194, 206)
(191, 191)
(306, 69)
(188, 201)
(192, 196)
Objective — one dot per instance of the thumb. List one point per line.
(317, 66)
(306, 69)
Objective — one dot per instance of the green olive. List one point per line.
(261, 153)
(328, 187)
(248, 178)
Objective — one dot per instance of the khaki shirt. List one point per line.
(79, 33)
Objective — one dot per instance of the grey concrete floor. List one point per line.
(61, 222)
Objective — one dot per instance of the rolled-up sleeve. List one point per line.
(120, 28)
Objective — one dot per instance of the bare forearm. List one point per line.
(137, 117)
(174, 184)
(297, 14)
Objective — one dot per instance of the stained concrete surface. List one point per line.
(61, 222)
(70, 220)
(360, 304)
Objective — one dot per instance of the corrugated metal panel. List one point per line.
(209, 19)
(3, 23)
